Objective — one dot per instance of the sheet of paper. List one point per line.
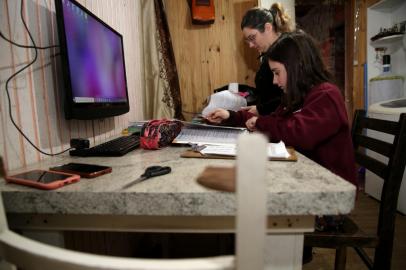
(224, 100)
(275, 150)
(278, 150)
(207, 126)
(200, 136)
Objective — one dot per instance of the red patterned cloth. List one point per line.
(156, 134)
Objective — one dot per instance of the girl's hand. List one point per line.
(217, 116)
(251, 123)
(251, 109)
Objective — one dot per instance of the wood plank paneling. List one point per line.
(209, 56)
(35, 93)
(359, 55)
(349, 57)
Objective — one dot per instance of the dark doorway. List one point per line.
(324, 20)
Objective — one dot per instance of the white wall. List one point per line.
(385, 14)
(34, 93)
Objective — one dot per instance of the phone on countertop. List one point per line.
(43, 179)
(82, 169)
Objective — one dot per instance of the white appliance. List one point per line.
(373, 183)
(384, 87)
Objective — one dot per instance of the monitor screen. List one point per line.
(93, 64)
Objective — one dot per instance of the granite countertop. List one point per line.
(295, 188)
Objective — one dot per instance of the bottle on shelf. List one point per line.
(386, 85)
(386, 64)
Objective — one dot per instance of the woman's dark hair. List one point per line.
(257, 18)
(298, 52)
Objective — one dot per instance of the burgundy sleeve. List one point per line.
(320, 118)
(237, 119)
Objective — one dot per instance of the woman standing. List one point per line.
(261, 27)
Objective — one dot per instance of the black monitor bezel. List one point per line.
(85, 111)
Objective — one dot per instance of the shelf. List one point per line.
(389, 40)
(387, 5)
(391, 43)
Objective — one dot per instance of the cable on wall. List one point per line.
(36, 48)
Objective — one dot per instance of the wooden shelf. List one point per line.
(391, 43)
(387, 5)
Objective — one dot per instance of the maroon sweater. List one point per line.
(320, 130)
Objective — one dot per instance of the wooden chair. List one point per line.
(392, 174)
(250, 245)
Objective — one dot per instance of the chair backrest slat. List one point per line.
(375, 145)
(251, 189)
(392, 174)
(384, 126)
(371, 164)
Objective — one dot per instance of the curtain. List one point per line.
(162, 97)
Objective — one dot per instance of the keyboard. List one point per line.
(113, 148)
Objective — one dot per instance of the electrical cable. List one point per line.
(26, 46)
(19, 71)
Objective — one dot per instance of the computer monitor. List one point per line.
(92, 54)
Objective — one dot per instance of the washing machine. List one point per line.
(386, 110)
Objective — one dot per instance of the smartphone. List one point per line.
(84, 170)
(43, 179)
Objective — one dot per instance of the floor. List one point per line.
(365, 214)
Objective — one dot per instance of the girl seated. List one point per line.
(312, 117)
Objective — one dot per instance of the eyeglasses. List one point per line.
(251, 38)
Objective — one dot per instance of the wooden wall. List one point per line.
(359, 53)
(35, 92)
(360, 50)
(210, 56)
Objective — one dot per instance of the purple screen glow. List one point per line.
(95, 55)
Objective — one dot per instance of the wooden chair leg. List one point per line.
(341, 258)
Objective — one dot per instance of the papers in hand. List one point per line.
(224, 100)
(275, 150)
(202, 134)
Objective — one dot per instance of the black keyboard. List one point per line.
(113, 148)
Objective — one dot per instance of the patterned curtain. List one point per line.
(162, 91)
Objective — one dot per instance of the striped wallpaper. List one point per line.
(35, 92)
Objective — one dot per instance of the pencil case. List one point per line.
(156, 134)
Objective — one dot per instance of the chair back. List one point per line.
(251, 189)
(391, 173)
(251, 224)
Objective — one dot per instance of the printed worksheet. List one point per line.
(275, 150)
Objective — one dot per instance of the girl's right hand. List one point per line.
(217, 116)
(250, 124)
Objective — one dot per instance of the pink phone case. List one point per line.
(19, 179)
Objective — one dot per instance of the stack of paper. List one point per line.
(201, 134)
(275, 150)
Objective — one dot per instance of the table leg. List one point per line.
(284, 251)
